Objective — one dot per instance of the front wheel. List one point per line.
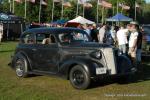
(21, 66)
(79, 78)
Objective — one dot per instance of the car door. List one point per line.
(46, 54)
(27, 46)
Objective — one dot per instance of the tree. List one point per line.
(70, 13)
(146, 14)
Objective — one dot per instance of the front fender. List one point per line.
(88, 64)
(124, 64)
(15, 57)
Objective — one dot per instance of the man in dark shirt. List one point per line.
(94, 33)
(139, 46)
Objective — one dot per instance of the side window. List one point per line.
(42, 38)
(53, 40)
(39, 38)
(28, 39)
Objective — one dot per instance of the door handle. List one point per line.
(34, 49)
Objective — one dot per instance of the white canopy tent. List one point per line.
(81, 20)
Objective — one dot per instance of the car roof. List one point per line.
(146, 25)
(52, 30)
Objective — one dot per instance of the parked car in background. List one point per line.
(146, 39)
(68, 53)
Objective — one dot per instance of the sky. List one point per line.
(147, 1)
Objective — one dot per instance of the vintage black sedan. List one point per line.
(68, 53)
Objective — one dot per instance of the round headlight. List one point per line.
(96, 54)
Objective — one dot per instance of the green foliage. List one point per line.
(146, 13)
(69, 13)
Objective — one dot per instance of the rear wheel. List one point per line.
(21, 66)
(79, 78)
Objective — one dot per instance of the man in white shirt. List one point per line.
(101, 34)
(1, 32)
(1, 36)
(133, 43)
(122, 39)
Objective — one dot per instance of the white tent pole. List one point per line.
(117, 11)
(117, 7)
(40, 11)
(83, 10)
(97, 11)
(62, 10)
(113, 13)
(9, 5)
(135, 12)
(113, 10)
(102, 15)
(7, 30)
(13, 9)
(77, 8)
(53, 11)
(25, 9)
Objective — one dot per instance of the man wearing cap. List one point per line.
(134, 42)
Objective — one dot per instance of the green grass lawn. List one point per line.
(52, 88)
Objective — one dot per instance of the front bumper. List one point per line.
(108, 74)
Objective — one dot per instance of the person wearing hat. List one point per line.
(135, 43)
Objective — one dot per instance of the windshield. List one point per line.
(73, 37)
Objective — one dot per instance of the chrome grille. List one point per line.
(110, 60)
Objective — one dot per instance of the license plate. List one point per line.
(100, 70)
